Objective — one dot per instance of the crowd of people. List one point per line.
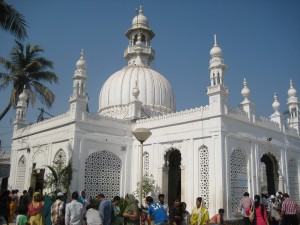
(276, 209)
(32, 208)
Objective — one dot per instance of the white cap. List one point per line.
(60, 194)
(272, 196)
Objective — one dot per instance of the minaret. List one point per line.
(139, 51)
(277, 116)
(217, 91)
(247, 105)
(21, 110)
(293, 105)
(79, 99)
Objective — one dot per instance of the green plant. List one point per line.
(60, 176)
(148, 185)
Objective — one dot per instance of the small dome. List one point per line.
(275, 104)
(23, 96)
(292, 91)
(81, 62)
(140, 20)
(152, 89)
(216, 51)
(245, 91)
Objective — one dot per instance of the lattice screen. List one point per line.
(293, 180)
(102, 174)
(204, 174)
(146, 163)
(21, 174)
(239, 178)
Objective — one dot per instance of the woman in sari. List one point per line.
(13, 204)
(131, 213)
(199, 214)
(35, 210)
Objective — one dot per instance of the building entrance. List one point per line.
(269, 174)
(174, 176)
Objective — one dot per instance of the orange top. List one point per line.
(214, 219)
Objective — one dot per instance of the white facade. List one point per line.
(214, 151)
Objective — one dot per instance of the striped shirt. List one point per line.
(289, 207)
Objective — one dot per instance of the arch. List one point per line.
(204, 174)
(238, 176)
(102, 174)
(173, 160)
(21, 171)
(270, 183)
(293, 180)
(60, 157)
(146, 163)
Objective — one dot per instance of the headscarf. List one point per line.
(132, 207)
(35, 207)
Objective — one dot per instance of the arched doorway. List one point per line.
(174, 175)
(269, 174)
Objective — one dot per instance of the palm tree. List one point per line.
(13, 21)
(27, 68)
(60, 176)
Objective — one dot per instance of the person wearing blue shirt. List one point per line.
(106, 210)
(157, 210)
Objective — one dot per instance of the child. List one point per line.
(22, 218)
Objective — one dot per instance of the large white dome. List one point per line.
(155, 91)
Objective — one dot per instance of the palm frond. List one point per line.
(13, 21)
(45, 94)
(54, 173)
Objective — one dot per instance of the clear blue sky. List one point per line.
(260, 40)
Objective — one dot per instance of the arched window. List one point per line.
(293, 180)
(146, 163)
(204, 174)
(239, 177)
(21, 173)
(60, 157)
(102, 174)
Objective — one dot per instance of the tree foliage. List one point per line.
(60, 176)
(148, 185)
(12, 21)
(27, 69)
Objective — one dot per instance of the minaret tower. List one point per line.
(139, 51)
(293, 105)
(21, 110)
(217, 91)
(79, 99)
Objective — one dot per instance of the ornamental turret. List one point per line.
(21, 109)
(79, 99)
(277, 116)
(139, 51)
(293, 106)
(247, 105)
(217, 91)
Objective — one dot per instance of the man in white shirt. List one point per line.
(74, 211)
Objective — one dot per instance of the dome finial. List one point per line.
(135, 91)
(275, 104)
(245, 91)
(215, 38)
(82, 54)
(292, 91)
(141, 9)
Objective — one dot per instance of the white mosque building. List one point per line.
(214, 151)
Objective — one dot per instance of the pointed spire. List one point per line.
(275, 104)
(215, 37)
